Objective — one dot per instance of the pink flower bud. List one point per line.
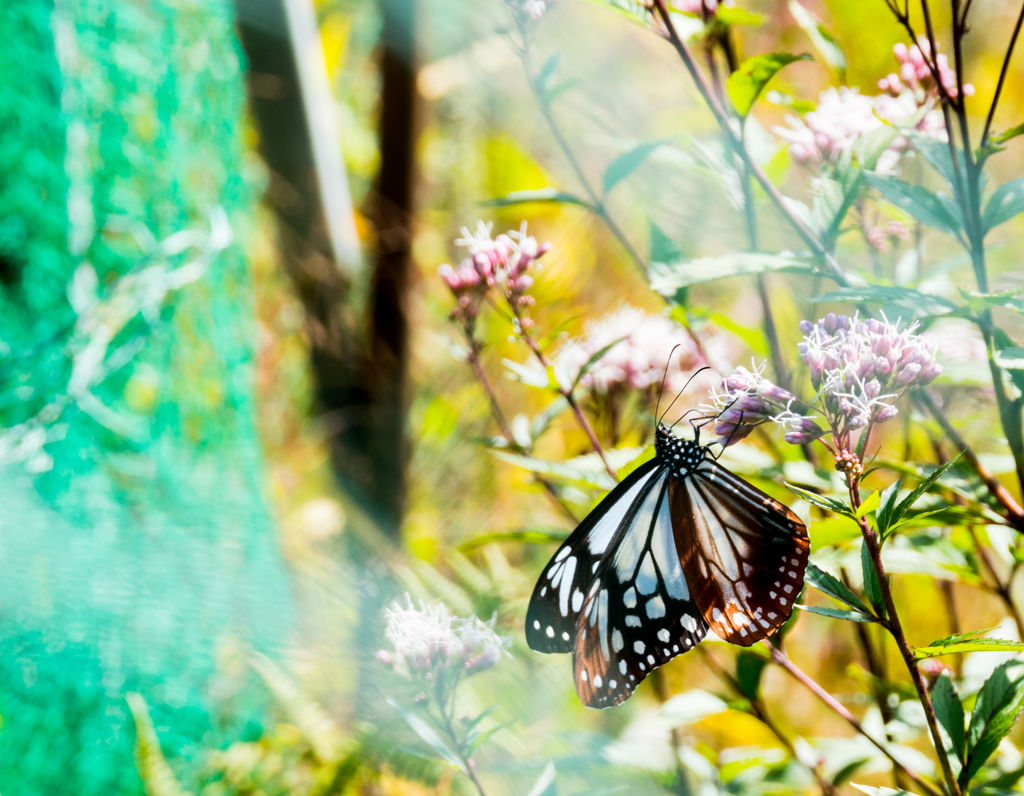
(900, 51)
(384, 657)
(907, 374)
(830, 323)
(885, 412)
(929, 374)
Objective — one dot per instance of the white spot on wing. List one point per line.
(629, 598)
(639, 647)
(647, 577)
(566, 588)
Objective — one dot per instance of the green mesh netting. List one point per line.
(136, 548)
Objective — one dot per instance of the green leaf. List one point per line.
(545, 784)
(870, 790)
(937, 154)
(887, 504)
(823, 39)
(1002, 138)
(950, 713)
(753, 337)
(668, 278)
(1007, 201)
(594, 359)
(821, 501)
(628, 162)
(789, 101)
(838, 613)
(749, 668)
(995, 711)
(969, 645)
(582, 470)
(872, 588)
(869, 148)
(429, 735)
(871, 504)
(733, 15)
(904, 505)
(537, 195)
(900, 302)
(663, 248)
(1010, 358)
(922, 204)
(746, 83)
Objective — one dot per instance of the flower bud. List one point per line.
(885, 412)
(907, 374)
(830, 323)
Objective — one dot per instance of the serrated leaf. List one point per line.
(902, 302)
(937, 154)
(429, 735)
(537, 195)
(970, 645)
(917, 200)
(833, 587)
(668, 278)
(838, 613)
(745, 85)
(995, 711)
(904, 505)
(628, 162)
(872, 588)
(1007, 201)
(950, 713)
(821, 501)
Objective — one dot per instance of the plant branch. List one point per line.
(759, 710)
(736, 141)
(596, 205)
(780, 658)
(895, 628)
(1015, 514)
(1002, 73)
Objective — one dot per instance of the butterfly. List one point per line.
(679, 546)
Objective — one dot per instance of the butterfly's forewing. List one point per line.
(743, 552)
(638, 613)
(559, 593)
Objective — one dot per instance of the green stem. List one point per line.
(895, 628)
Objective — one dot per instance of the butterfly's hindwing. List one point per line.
(743, 552)
(638, 612)
(560, 591)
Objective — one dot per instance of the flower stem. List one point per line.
(565, 392)
(895, 628)
(1002, 73)
(780, 658)
(596, 203)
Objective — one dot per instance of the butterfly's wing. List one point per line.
(743, 552)
(558, 595)
(638, 613)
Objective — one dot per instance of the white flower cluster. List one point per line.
(429, 642)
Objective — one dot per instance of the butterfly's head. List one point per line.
(682, 455)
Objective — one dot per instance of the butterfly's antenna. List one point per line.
(685, 386)
(664, 378)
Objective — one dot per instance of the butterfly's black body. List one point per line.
(679, 546)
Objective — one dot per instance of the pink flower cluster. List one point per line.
(845, 115)
(881, 238)
(858, 368)
(640, 348)
(916, 73)
(502, 262)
